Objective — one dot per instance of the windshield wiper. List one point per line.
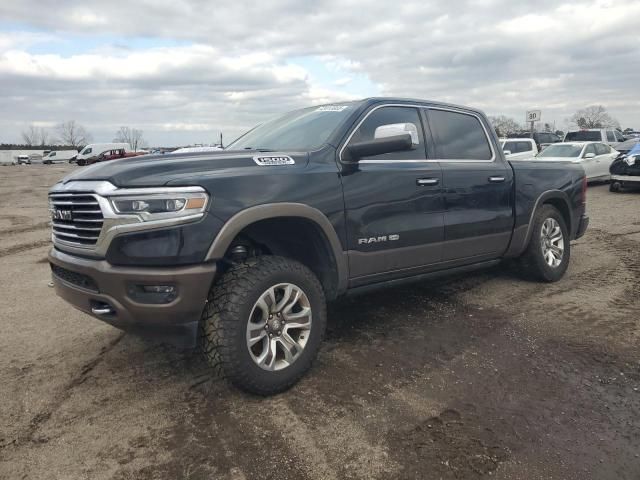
(259, 149)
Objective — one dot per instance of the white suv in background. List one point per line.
(519, 148)
(605, 135)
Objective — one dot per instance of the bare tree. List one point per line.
(73, 134)
(504, 125)
(132, 136)
(595, 116)
(30, 136)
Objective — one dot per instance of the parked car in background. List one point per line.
(114, 155)
(23, 160)
(91, 152)
(625, 170)
(595, 157)
(542, 139)
(519, 148)
(60, 156)
(629, 135)
(605, 135)
(626, 146)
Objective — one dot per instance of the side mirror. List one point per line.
(506, 152)
(379, 146)
(589, 155)
(395, 129)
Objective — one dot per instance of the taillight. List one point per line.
(583, 197)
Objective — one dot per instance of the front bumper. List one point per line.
(626, 178)
(93, 286)
(582, 226)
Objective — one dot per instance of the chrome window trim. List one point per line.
(428, 160)
(115, 223)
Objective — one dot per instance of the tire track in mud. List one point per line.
(32, 228)
(29, 435)
(23, 247)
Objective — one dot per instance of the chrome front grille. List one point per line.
(76, 218)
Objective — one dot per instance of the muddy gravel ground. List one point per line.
(483, 375)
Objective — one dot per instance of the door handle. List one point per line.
(496, 179)
(425, 182)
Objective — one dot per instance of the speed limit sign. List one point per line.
(534, 115)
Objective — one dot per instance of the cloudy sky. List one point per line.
(184, 70)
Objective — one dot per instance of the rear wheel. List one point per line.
(547, 256)
(263, 324)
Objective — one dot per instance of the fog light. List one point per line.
(153, 294)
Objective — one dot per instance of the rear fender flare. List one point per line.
(522, 235)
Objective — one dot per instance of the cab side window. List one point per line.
(458, 136)
(387, 118)
(610, 136)
(602, 149)
(591, 148)
(523, 147)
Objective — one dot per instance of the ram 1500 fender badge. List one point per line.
(380, 239)
(271, 160)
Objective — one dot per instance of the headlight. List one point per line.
(156, 206)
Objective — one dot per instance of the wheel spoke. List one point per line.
(292, 303)
(256, 332)
(288, 292)
(300, 319)
(290, 347)
(268, 357)
(264, 308)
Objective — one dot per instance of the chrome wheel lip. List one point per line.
(552, 242)
(278, 326)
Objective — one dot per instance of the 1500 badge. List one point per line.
(271, 160)
(379, 239)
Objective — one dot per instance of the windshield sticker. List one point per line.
(269, 161)
(332, 108)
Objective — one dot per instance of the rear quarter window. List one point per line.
(583, 136)
(458, 136)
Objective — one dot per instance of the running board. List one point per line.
(423, 276)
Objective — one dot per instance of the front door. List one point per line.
(477, 187)
(393, 203)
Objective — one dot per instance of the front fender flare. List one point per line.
(246, 217)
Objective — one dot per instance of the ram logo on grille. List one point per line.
(76, 218)
(61, 214)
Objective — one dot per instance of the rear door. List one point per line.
(604, 158)
(393, 203)
(477, 186)
(590, 165)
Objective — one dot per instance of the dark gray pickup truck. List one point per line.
(241, 249)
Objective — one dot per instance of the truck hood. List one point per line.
(158, 170)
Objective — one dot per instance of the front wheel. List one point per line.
(547, 256)
(263, 324)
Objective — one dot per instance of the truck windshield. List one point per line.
(561, 151)
(301, 130)
(584, 136)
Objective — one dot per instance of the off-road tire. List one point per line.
(532, 261)
(224, 322)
